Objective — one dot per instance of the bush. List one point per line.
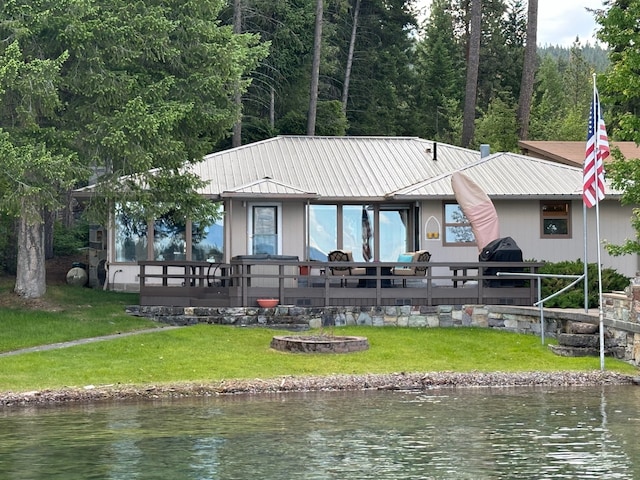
(574, 297)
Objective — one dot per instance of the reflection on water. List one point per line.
(444, 434)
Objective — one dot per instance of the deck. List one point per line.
(311, 284)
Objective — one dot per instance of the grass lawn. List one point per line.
(205, 353)
(64, 313)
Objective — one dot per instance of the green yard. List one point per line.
(206, 353)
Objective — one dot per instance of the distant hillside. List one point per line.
(593, 54)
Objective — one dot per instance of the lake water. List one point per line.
(442, 434)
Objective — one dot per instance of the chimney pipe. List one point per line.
(435, 152)
(485, 151)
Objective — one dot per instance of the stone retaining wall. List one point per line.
(512, 319)
(621, 317)
(622, 321)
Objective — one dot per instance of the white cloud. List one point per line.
(559, 21)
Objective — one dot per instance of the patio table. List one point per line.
(371, 282)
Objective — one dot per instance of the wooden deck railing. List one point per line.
(311, 284)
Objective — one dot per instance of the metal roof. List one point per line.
(509, 175)
(331, 168)
(375, 169)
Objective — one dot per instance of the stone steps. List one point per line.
(579, 340)
(583, 340)
(565, 351)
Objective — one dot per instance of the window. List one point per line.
(168, 235)
(457, 228)
(353, 237)
(323, 231)
(331, 227)
(169, 239)
(207, 240)
(130, 237)
(394, 233)
(555, 219)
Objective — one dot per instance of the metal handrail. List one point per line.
(540, 302)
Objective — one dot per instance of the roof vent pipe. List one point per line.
(435, 152)
(485, 151)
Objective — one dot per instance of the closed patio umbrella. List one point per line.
(366, 236)
(478, 208)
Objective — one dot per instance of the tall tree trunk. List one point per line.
(236, 139)
(473, 64)
(272, 107)
(528, 70)
(30, 274)
(352, 44)
(315, 71)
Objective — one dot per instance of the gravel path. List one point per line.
(82, 341)
(394, 381)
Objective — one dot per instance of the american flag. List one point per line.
(597, 151)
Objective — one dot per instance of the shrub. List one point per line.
(574, 297)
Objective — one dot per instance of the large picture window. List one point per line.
(555, 219)
(331, 227)
(169, 237)
(457, 228)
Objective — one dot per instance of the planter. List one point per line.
(319, 344)
(268, 302)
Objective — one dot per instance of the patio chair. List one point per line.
(343, 271)
(411, 270)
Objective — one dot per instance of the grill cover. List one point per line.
(502, 250)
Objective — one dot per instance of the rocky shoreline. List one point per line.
(393, 381)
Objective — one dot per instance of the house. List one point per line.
(303, 196)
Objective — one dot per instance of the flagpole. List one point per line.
(597, 205)
(586, 257)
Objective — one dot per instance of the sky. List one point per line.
(560, 21)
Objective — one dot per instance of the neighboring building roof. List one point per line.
(375, 169)
(571, 153)
(508, 175)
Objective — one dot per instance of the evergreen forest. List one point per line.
(124, 96)
(382, 72)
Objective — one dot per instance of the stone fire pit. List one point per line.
(319, 344)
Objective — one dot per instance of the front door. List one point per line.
(265, 225)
